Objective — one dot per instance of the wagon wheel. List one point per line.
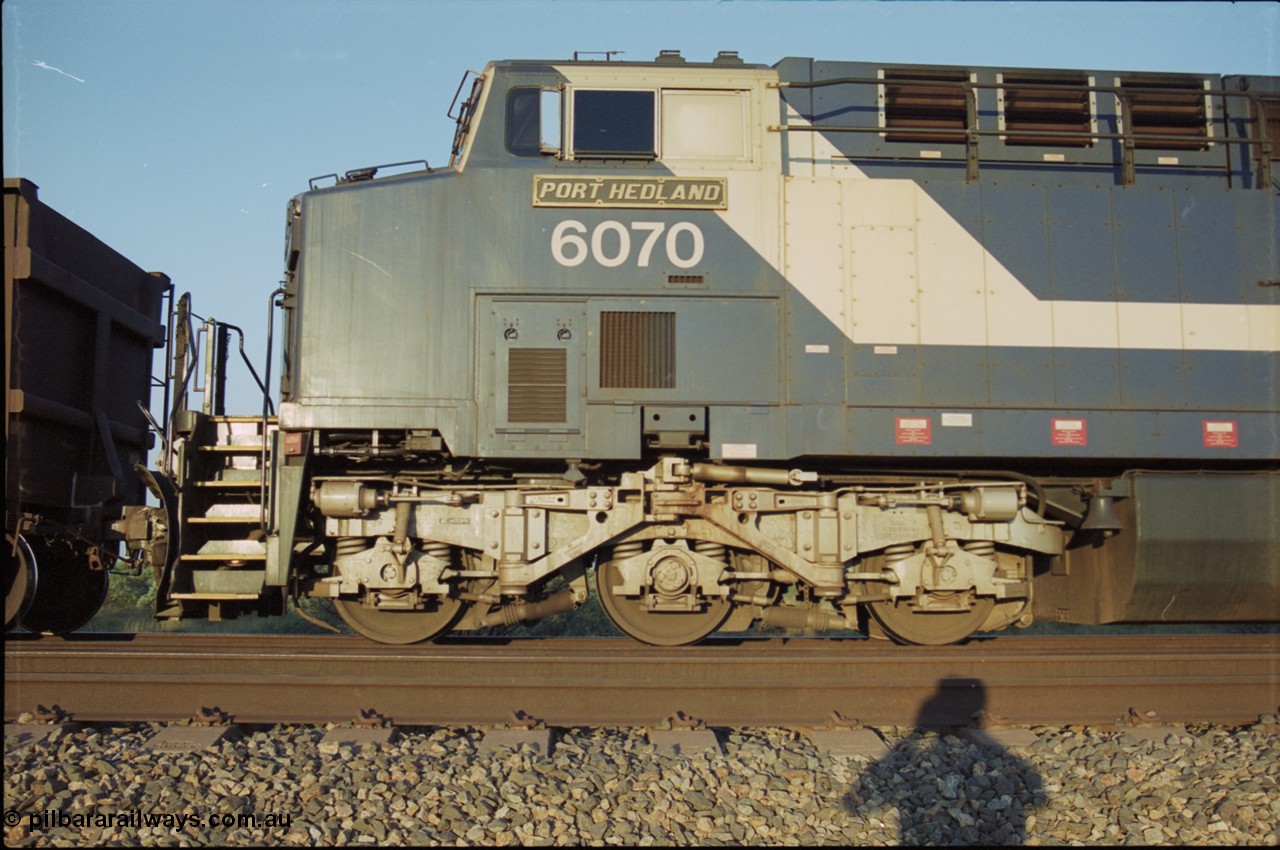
(19, 579)
(906, 624)
(400, 626)
(659, 628)
(67, 592)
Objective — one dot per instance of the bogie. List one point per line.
(683, 549)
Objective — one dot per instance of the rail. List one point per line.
(1124, 95)
(587, 682)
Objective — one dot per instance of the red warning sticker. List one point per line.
(914, 431)
(1070, 432)
(1221, 434)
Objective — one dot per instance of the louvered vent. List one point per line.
(1064, 107)
(1174, 112)
(923, 110)
(638, 350)
(536, 385)
(1271, 106)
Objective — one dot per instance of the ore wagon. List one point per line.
(81, 325)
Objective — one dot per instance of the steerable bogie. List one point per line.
(682, 549)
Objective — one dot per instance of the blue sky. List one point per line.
(177, 131)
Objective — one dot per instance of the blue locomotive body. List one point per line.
(643, 292)
(855, 293)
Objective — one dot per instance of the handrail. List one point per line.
(1123, 94)
(265, 518)
(247, 362)
(465, 113)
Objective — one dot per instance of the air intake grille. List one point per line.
(924, 111)
(1045, 110)
(536, 385)
(638, 350)
(1176, 115)
(1271, 106)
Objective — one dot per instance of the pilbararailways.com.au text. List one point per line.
(56, 819)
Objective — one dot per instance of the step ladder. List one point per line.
(222, 498)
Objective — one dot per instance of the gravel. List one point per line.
(1074, 785)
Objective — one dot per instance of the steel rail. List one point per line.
(588, 682)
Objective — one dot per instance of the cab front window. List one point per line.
(533, 122)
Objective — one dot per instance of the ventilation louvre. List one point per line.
(537, 384)
(638, 350)
(1176, 115)
(1058, 109)
(916, 105)
(1271, 107)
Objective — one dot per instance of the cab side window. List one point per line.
(614, 124)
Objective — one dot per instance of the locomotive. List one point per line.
(919, 351)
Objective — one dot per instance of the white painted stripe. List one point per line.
(942, 287)
(889, 266)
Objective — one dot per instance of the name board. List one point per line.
(680, 193)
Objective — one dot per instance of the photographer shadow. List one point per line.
(945, 789)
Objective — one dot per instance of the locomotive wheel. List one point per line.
(19, 579)
(67, 592)
(658, 628)
(905, 624)
(388, 625)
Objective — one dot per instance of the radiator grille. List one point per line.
(1043, 110)
(1176, 115)
(924, 111)
(1270, 106)
(536, 385)
(638, 350)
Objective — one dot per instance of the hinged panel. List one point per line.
(529, 369)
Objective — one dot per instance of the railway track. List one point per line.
(584, 682)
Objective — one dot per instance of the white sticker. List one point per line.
(957, 420)
(738, 450)
(931, 154)
(1055, 157)
(817, 349)
(885, 349)
(1166, 160)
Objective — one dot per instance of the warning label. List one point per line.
(913, 431)
(1221, 434)
(1070, 432)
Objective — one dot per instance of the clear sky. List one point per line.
(177, 131)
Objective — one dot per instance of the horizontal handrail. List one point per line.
(1123, 94)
